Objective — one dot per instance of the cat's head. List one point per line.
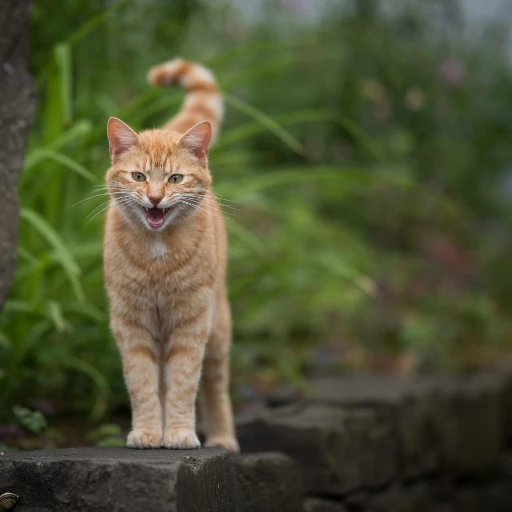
(158, 177)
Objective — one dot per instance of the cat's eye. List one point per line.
(176, 178)
(138, 176)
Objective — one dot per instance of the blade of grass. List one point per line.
(62, 252)
(274, 127)
(342, 269)
(248, 130)
(38, 155)
(246, 237)
(99, 381)
(62, 54)
(56, 316)
(78, 35)
(257, 72)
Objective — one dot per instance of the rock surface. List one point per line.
(17, 103)
(269, 481)
(338, 450)
(358, 432)
(121, 479)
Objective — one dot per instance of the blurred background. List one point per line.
(366, 149)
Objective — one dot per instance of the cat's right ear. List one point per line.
(120, 137)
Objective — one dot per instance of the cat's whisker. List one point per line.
(209, 201)
(197, 207)
(106, 203)
(98, 195)
(204, 201)
(99, 207)
(119, 202)
(225, 199)
(112, 189)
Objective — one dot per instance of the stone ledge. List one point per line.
(364, 432)
(121, 479)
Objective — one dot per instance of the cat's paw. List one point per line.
(181, 439)
(144, 438)
(228, 442)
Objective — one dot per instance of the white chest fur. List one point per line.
(158, 248)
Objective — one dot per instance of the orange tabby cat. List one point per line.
(165, 270)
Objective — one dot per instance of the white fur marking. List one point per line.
(159, 248)
(196, 75)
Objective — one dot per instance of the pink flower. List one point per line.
(293, 6)
(452, 71)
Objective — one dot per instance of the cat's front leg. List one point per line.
(182, 371)
(140, 368)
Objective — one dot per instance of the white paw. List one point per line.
(144, 438)
(228, 442)
(181, 439)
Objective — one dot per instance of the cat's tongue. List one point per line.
(155, 217)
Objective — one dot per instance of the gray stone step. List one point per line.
(122, 479)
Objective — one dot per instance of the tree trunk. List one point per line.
(17, 103)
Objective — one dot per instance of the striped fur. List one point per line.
(168, 300)
(203, 101)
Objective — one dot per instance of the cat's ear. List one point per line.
(120, 137)
(197, 141)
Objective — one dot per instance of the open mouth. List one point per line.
(156, 216)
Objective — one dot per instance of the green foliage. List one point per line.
(107, 434)
(365, 161)
(34, 421)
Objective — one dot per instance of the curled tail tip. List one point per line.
(182, 72)
(165, 74)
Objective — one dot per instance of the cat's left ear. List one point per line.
(120, 137)
(197, 141)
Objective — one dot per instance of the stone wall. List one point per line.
(379, 444)
(17, 103)
(348, 444)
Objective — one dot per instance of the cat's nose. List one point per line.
(155, 200)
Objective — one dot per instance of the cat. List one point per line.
(165, 247)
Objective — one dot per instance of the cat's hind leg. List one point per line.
(215, 402)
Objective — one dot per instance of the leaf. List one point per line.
(340, 268)
(55, 314)
(99, 381)
(247, 130)
(262, 181)
(62, 252)
(257, 72)
(62, 53)
(246, 237)
(266, 121)
(36, 156)
(73, 134)
(27, 256)
(31, 420)
(4, 341)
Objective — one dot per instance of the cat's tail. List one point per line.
(203, 101)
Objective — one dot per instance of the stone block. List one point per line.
(121, 479)
(470, 422)
(323, 505)
(338, 450)
(268, 481)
